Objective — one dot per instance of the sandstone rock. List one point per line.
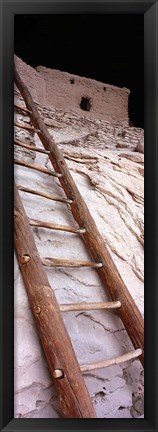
(111, 182)
(140, 146)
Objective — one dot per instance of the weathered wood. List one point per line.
(37, 168)
(22, 108)
(89, 306)
(114, 284)
(29, 128)
(44, 195)
(43, 224)
(73, 396)
(30, 147)
(55, 262)
(114, 361)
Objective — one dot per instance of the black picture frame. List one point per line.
(150, 11)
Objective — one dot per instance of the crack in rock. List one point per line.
(108, 329)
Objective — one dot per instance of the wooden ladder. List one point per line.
(67, 374)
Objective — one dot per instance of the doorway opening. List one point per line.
(85, 104)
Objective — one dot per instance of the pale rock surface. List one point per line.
(109, 175)
(140, 146)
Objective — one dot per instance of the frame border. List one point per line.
(7, 10)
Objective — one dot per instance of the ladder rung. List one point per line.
(42, 224)
(30, 147)
(114, 361)
(90, 306)
(22, 108)
(44, 195)
(29, 128)
(54, 262)
(37, 168)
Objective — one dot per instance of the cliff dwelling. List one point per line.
(89, 121)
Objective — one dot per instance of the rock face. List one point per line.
(109, 174)
(84, 96)
(140, 146)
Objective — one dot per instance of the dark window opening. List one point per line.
(72, 80)
(85, 104)
(104, 88)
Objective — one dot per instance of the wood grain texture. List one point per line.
(22, 108)
(30, 147)
(29, 128)
(57, 262)
(114, 361)
(109, 275)
(48, 225)
(74, 399)
(44, 195)
(89, 306)
(37, 168)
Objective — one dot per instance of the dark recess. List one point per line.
(106, 47)
(85, 104)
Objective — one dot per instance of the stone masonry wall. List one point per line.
(34, 81)
(65, 91)
(62, 90)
